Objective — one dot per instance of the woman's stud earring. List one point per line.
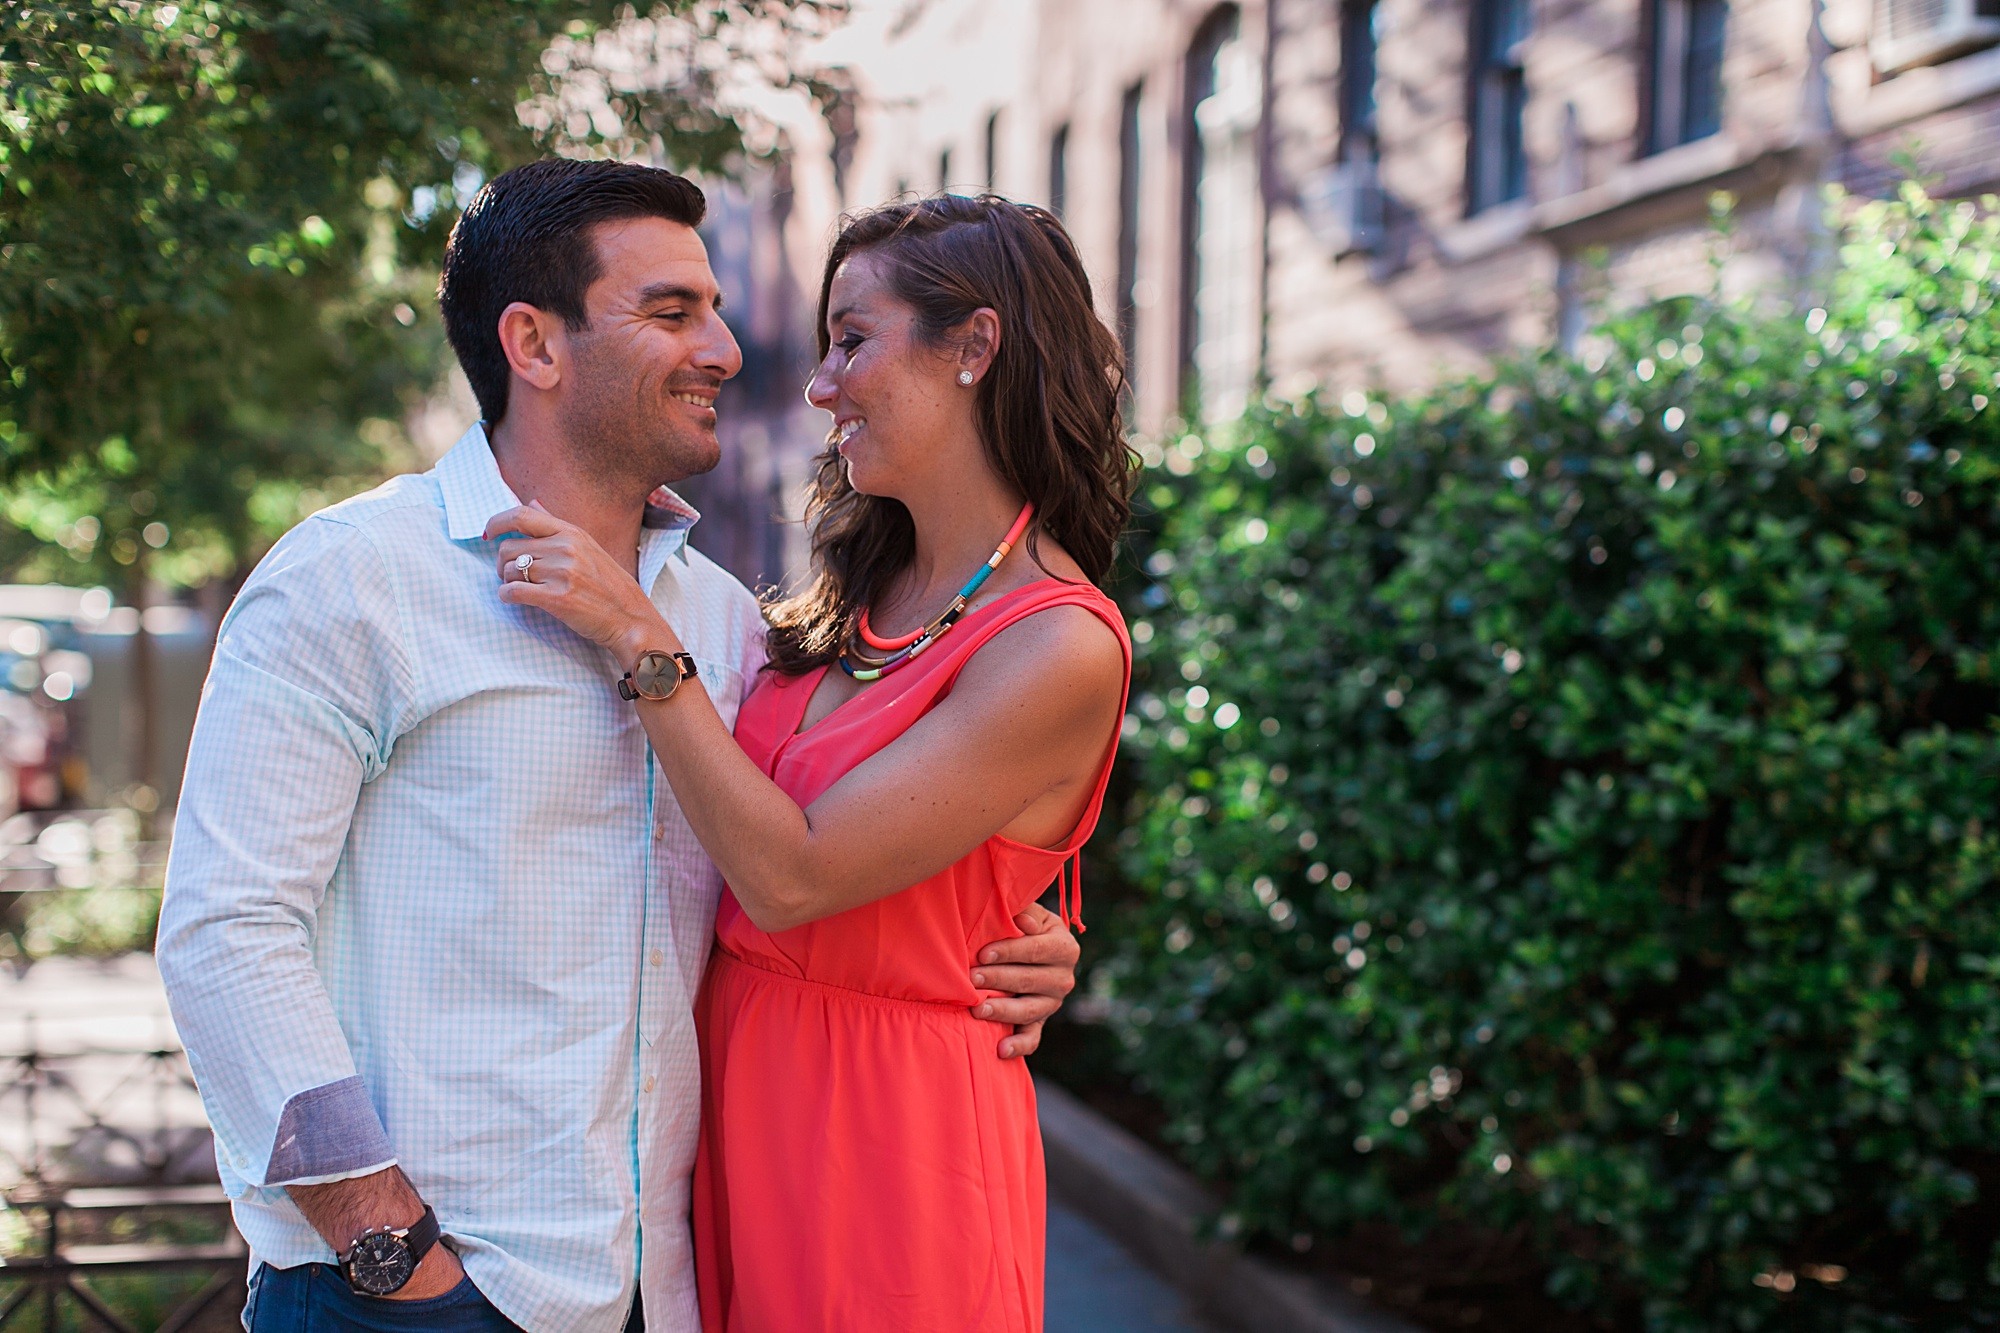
(965, 378)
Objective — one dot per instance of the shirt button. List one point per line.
(658, 958)
(659, 832)
(648, 1084)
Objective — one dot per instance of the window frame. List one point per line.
(1672, 68)
(1496, 105)
(1977, 28)
(1223, 24)
(1131, 163)
(1360, 130)
(1058, 191)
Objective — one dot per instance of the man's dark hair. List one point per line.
(526, 237)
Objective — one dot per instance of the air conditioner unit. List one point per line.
(1923, 32)
(1342, 204)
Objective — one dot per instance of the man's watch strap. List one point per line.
(423, 1234)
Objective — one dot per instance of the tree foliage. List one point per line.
(218, 222)
(1569, 803)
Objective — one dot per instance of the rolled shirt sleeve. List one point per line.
(305, 697)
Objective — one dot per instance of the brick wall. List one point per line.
(1602, 223)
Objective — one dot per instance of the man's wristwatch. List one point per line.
(382, 1262)
(656, 676)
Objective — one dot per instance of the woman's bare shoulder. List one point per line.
(1067, 646)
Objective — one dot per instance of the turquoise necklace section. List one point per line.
(868, 656)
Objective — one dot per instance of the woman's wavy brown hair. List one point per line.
(1047, 409)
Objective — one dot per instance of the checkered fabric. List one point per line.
(430, 901)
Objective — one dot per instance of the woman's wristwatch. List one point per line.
(656, 675)
(382, 1262)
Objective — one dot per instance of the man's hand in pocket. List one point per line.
(437, 1274)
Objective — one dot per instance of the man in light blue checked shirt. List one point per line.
(434, 924)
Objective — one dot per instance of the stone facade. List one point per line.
(969, 94)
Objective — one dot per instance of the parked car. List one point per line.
(45, 675)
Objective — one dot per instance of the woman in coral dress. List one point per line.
(920, 761)
(866, 1162)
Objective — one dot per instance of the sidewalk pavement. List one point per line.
(1093, 1286)
(93, 1087)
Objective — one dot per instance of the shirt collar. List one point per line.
(474, 491)
(472, 487)
(667, 523)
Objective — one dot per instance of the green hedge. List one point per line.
(1571, 802)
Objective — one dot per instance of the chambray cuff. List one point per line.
(330, 1131)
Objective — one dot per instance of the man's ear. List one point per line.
(535, 342)
(980, 343)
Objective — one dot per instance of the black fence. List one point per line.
(113, 1218)
(126, 1258)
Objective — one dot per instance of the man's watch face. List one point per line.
(379, 1264)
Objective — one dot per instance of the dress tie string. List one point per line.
(1069, 892)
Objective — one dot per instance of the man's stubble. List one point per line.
(628, 440)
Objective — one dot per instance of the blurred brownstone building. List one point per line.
(1362, 193)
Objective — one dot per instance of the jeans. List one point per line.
(315, 1298)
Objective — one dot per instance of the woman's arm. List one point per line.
(1029, 721)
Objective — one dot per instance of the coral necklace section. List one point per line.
(868, 656)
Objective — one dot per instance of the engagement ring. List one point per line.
(524, 562)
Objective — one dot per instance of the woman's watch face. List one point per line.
(655, 675)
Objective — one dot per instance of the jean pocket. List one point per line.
(250, 1298)
(464, 1293)
(351, 1310)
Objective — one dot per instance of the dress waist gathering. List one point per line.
(725, 961)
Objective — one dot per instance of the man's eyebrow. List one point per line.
(674, 291)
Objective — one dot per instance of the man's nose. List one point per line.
(721, 355)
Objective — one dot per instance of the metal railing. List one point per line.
(113, 1218)
(57, 1277)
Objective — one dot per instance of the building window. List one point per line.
(992, 150)
(1360, 40)
(1059, 170)
(1908, 33)
(1128, 229)
(1220, 334)
(1686, 71)
(1498, 166)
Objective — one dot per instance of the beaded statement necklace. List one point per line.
(888, 655)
